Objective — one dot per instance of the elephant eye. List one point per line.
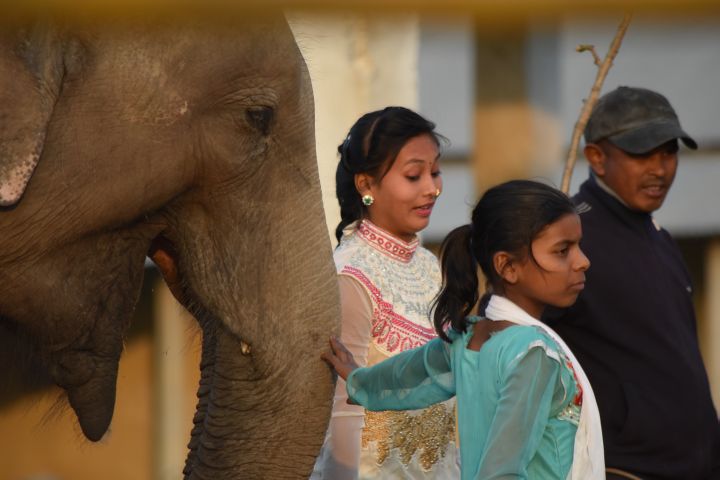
(260, 118)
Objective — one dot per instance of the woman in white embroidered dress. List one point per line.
(387, 182)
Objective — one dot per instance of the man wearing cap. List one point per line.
(633, 328)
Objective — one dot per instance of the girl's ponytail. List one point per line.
(459, 293)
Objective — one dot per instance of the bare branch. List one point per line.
(589, 48)
(603, 70)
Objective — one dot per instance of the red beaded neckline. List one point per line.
(386, 243)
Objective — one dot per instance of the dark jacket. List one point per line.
(633, 331)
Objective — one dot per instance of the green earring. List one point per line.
(367, 200)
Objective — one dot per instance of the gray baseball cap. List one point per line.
(635, 120)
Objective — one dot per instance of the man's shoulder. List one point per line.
(582, 195)
(600, 226)
(587, 206)
(582, 206)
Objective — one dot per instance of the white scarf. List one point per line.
(588, 455)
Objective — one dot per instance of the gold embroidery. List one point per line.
(429, 432)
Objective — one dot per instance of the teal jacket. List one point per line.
(517, 399)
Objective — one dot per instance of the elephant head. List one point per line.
(193, 144)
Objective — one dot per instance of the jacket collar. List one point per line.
(604, 196)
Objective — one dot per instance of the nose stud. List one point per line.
(437, 193)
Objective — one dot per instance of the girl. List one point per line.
(388, 180)
(525, 407)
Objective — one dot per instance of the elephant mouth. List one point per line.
(163, 253)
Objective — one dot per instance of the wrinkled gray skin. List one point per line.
(194, 143)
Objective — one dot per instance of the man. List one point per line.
(633, 327)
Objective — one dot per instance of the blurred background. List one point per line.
(506, 89)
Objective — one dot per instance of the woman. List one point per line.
(525, 407)
(387, 181)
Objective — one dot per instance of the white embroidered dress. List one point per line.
(386, 287)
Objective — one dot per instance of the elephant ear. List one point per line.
(31, 75)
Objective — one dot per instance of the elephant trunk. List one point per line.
(255, 419)
(207, 364)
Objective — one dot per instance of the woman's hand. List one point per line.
(340, 359)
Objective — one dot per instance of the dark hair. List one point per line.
(371, 147)
(507, 218)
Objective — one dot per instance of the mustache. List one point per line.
(655, 182)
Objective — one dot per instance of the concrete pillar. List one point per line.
(710, 327)
(170, 423)
(518, 131)
(358, 63)
(503, 118)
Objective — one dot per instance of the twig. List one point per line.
(589, 48)
(603, 70)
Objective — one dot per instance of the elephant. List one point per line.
(192, 142)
